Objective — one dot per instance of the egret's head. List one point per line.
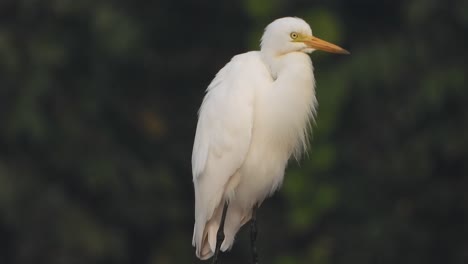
(290, 34)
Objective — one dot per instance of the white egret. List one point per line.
(255, 115)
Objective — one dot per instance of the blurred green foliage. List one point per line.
(98, 103)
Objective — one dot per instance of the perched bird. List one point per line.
(255, 115)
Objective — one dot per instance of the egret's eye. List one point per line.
(294, 35)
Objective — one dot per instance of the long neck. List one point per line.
(293, 95)
(290, 63)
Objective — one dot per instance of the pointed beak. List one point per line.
(319, 44)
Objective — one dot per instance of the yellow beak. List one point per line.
(319, 44)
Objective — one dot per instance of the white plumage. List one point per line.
(254, 117)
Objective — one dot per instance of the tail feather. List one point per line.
(206, 231)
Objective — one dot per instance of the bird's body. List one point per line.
(254, 117)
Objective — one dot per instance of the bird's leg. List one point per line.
(253, 235)
(220, 234)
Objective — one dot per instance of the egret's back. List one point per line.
(222, 140)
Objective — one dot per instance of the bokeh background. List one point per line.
(98, 103)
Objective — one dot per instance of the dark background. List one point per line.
(98, 103)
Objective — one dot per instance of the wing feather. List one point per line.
(223, 134)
